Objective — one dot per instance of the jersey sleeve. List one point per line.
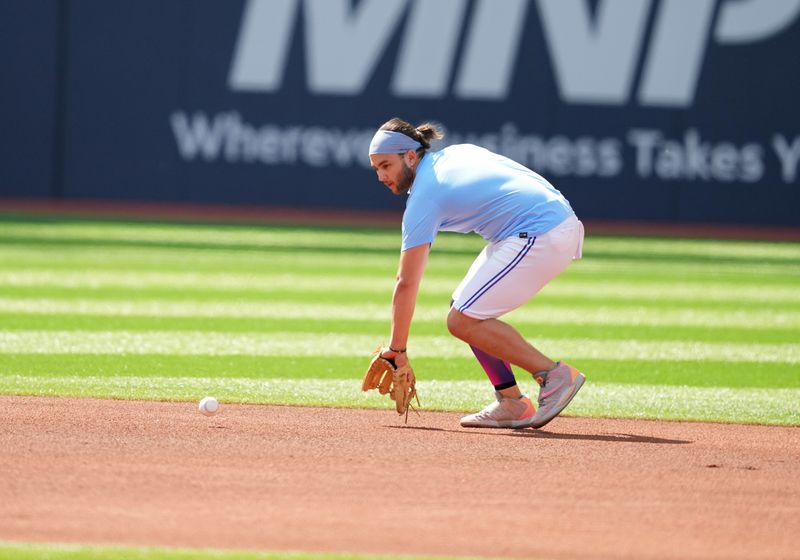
(420, 224)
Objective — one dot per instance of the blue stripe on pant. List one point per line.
(500, 275)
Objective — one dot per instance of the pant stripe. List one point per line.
(500, 275)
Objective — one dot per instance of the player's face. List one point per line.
(393, 171)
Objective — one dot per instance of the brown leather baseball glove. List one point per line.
(399, 382)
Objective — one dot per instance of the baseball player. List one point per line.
(532, 234)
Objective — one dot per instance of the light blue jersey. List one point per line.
(466, 188)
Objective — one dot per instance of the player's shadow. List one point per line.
(615, 438)
(539, 434)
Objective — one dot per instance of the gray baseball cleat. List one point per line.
(504, 413)
(557, 388)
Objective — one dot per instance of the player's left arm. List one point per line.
(409, 276)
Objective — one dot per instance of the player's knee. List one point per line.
(458, 324)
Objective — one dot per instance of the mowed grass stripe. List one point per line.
(237, 235)
(443, 264)
(426, 298)
(45, 257)
(763, 406)
(322, 282)
(335, 344)
(535, 313)
(381, 324)
(37, 257)
(227, 237)
(663, 372)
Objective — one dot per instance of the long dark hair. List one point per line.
(423, 133)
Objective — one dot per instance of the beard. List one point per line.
(405, 180)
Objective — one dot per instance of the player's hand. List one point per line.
(400, 359)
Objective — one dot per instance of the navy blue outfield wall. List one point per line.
(669, 110)
(28, 76)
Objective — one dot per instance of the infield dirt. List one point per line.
(332, 480)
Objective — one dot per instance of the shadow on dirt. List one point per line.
(538, 434)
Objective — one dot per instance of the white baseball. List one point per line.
(209, 406)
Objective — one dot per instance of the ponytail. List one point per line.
(427, 132)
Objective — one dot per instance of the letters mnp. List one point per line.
(596, 55)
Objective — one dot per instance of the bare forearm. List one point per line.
(409, 276)
(403, 303)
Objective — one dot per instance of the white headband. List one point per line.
(387, 142)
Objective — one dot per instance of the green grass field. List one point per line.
(664, 329)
